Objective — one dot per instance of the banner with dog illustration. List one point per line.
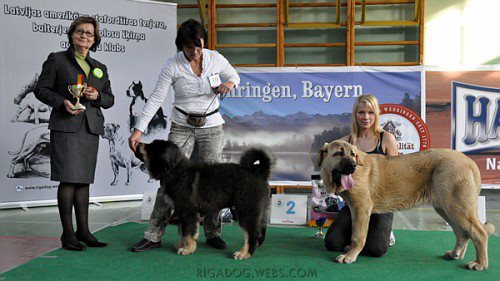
(137, 38)
(463, 113)
(294, 111)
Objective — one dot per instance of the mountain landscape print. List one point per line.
(294, 126)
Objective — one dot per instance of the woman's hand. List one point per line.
(134, 139)
(69, 108)
(225, 87)
(91, 93)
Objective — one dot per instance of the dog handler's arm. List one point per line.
(225, 87)
(44, 90)
(134, 139)
(390, 144)
(105, 97)
(158, 96)
(229, 74)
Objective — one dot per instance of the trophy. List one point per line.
(319, 223)
(77, 92)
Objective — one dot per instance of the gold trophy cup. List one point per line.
(319, 223)
(77, 92)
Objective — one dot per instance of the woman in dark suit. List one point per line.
(74, 133)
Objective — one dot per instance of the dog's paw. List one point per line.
(185, 251)
(474, 265)
(344, 259)
(241, 255)
(450, 255)
(179, 245)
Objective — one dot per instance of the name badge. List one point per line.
(214, 81)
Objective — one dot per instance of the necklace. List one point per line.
(366, 144)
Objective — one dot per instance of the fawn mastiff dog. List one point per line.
(444, 178)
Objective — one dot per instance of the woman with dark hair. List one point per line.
(369, 137)
(74, 131)
(193, 73)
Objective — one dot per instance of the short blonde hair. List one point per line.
(372, 103)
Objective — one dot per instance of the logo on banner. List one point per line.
(475, 118)
(406, 126)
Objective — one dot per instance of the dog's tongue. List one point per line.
(347, 182)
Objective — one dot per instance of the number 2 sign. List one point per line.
(288, 209)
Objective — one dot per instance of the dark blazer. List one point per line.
(58, 72)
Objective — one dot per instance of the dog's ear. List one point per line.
(115, 127)
(322, 154)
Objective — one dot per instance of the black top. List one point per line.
(378, 148)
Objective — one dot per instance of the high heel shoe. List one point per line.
(91, 242)
(73, 246)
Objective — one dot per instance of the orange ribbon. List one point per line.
(79, 79)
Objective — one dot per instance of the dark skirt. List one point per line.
(73, 156)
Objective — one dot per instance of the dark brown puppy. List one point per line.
(200, 188)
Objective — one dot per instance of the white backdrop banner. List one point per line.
(137, 38)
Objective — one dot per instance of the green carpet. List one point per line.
(287, 254)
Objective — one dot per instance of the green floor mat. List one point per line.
(287, 254)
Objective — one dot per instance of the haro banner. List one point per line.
(463, 113)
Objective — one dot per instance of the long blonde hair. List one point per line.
(372, 103)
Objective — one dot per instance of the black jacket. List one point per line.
(58, 72)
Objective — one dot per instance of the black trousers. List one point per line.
(339, 233)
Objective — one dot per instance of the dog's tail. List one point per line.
(259, 161)
(489, 227)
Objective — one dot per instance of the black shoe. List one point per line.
(74, 246)
(93, 242)
(217, 243)
(145, 245)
